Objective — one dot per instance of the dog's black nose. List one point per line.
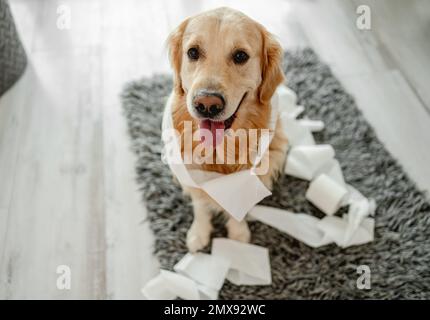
(209, 105)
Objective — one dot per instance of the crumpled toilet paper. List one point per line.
(327, 191)
(297, 133)
(326, 194)
(316, 232)
(170, 285)
(201, 276)
(250, 264)
(300, 226)
(304, 161)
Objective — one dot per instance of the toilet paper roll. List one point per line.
(326, 194)
(306, 162)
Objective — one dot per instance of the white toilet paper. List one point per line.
(207, 293)
(245, 187)
(169, 285)
(313, 231)
(334, 171)
(157, 289)
(206, 269)
(200, 276)
(297, 134)
(326, 194)
(336, 228)
(297, 168)
(250, 264)
(287, 98)
(312, 125)
(300, 226)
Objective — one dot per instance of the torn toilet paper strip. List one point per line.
(297, 133)
(244, 191)
(250, 264)
(313, 231)
(208, 270)
(336, 228)
(359, 208)
(201, 275)
(287, 98)
(312, 125)
(170, 285)
(158, 289)
(207, 293)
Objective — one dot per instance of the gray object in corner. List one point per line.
(12, 55)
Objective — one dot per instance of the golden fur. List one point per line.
(218, 32)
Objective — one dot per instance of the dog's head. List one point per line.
(223, 59)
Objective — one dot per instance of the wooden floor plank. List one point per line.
(402, 35)
(397, 115)
(330, 27)
(11, 123)
(53, 31)
(56, 211)
(130, 260)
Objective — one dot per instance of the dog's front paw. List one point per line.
(239, 232)
(198, 236)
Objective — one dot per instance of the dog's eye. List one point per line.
(193, 53)
(240, 57)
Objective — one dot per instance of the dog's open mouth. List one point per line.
(216, 128)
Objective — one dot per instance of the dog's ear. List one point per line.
(271, 66)
(174, 43)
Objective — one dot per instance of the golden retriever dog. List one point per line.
(226, 70)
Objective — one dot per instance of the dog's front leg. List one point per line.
(198, 235)
(238, 230)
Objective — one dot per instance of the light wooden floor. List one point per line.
(67, 190)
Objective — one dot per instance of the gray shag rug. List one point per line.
(399, 258)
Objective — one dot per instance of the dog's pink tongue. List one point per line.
(216, 129)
